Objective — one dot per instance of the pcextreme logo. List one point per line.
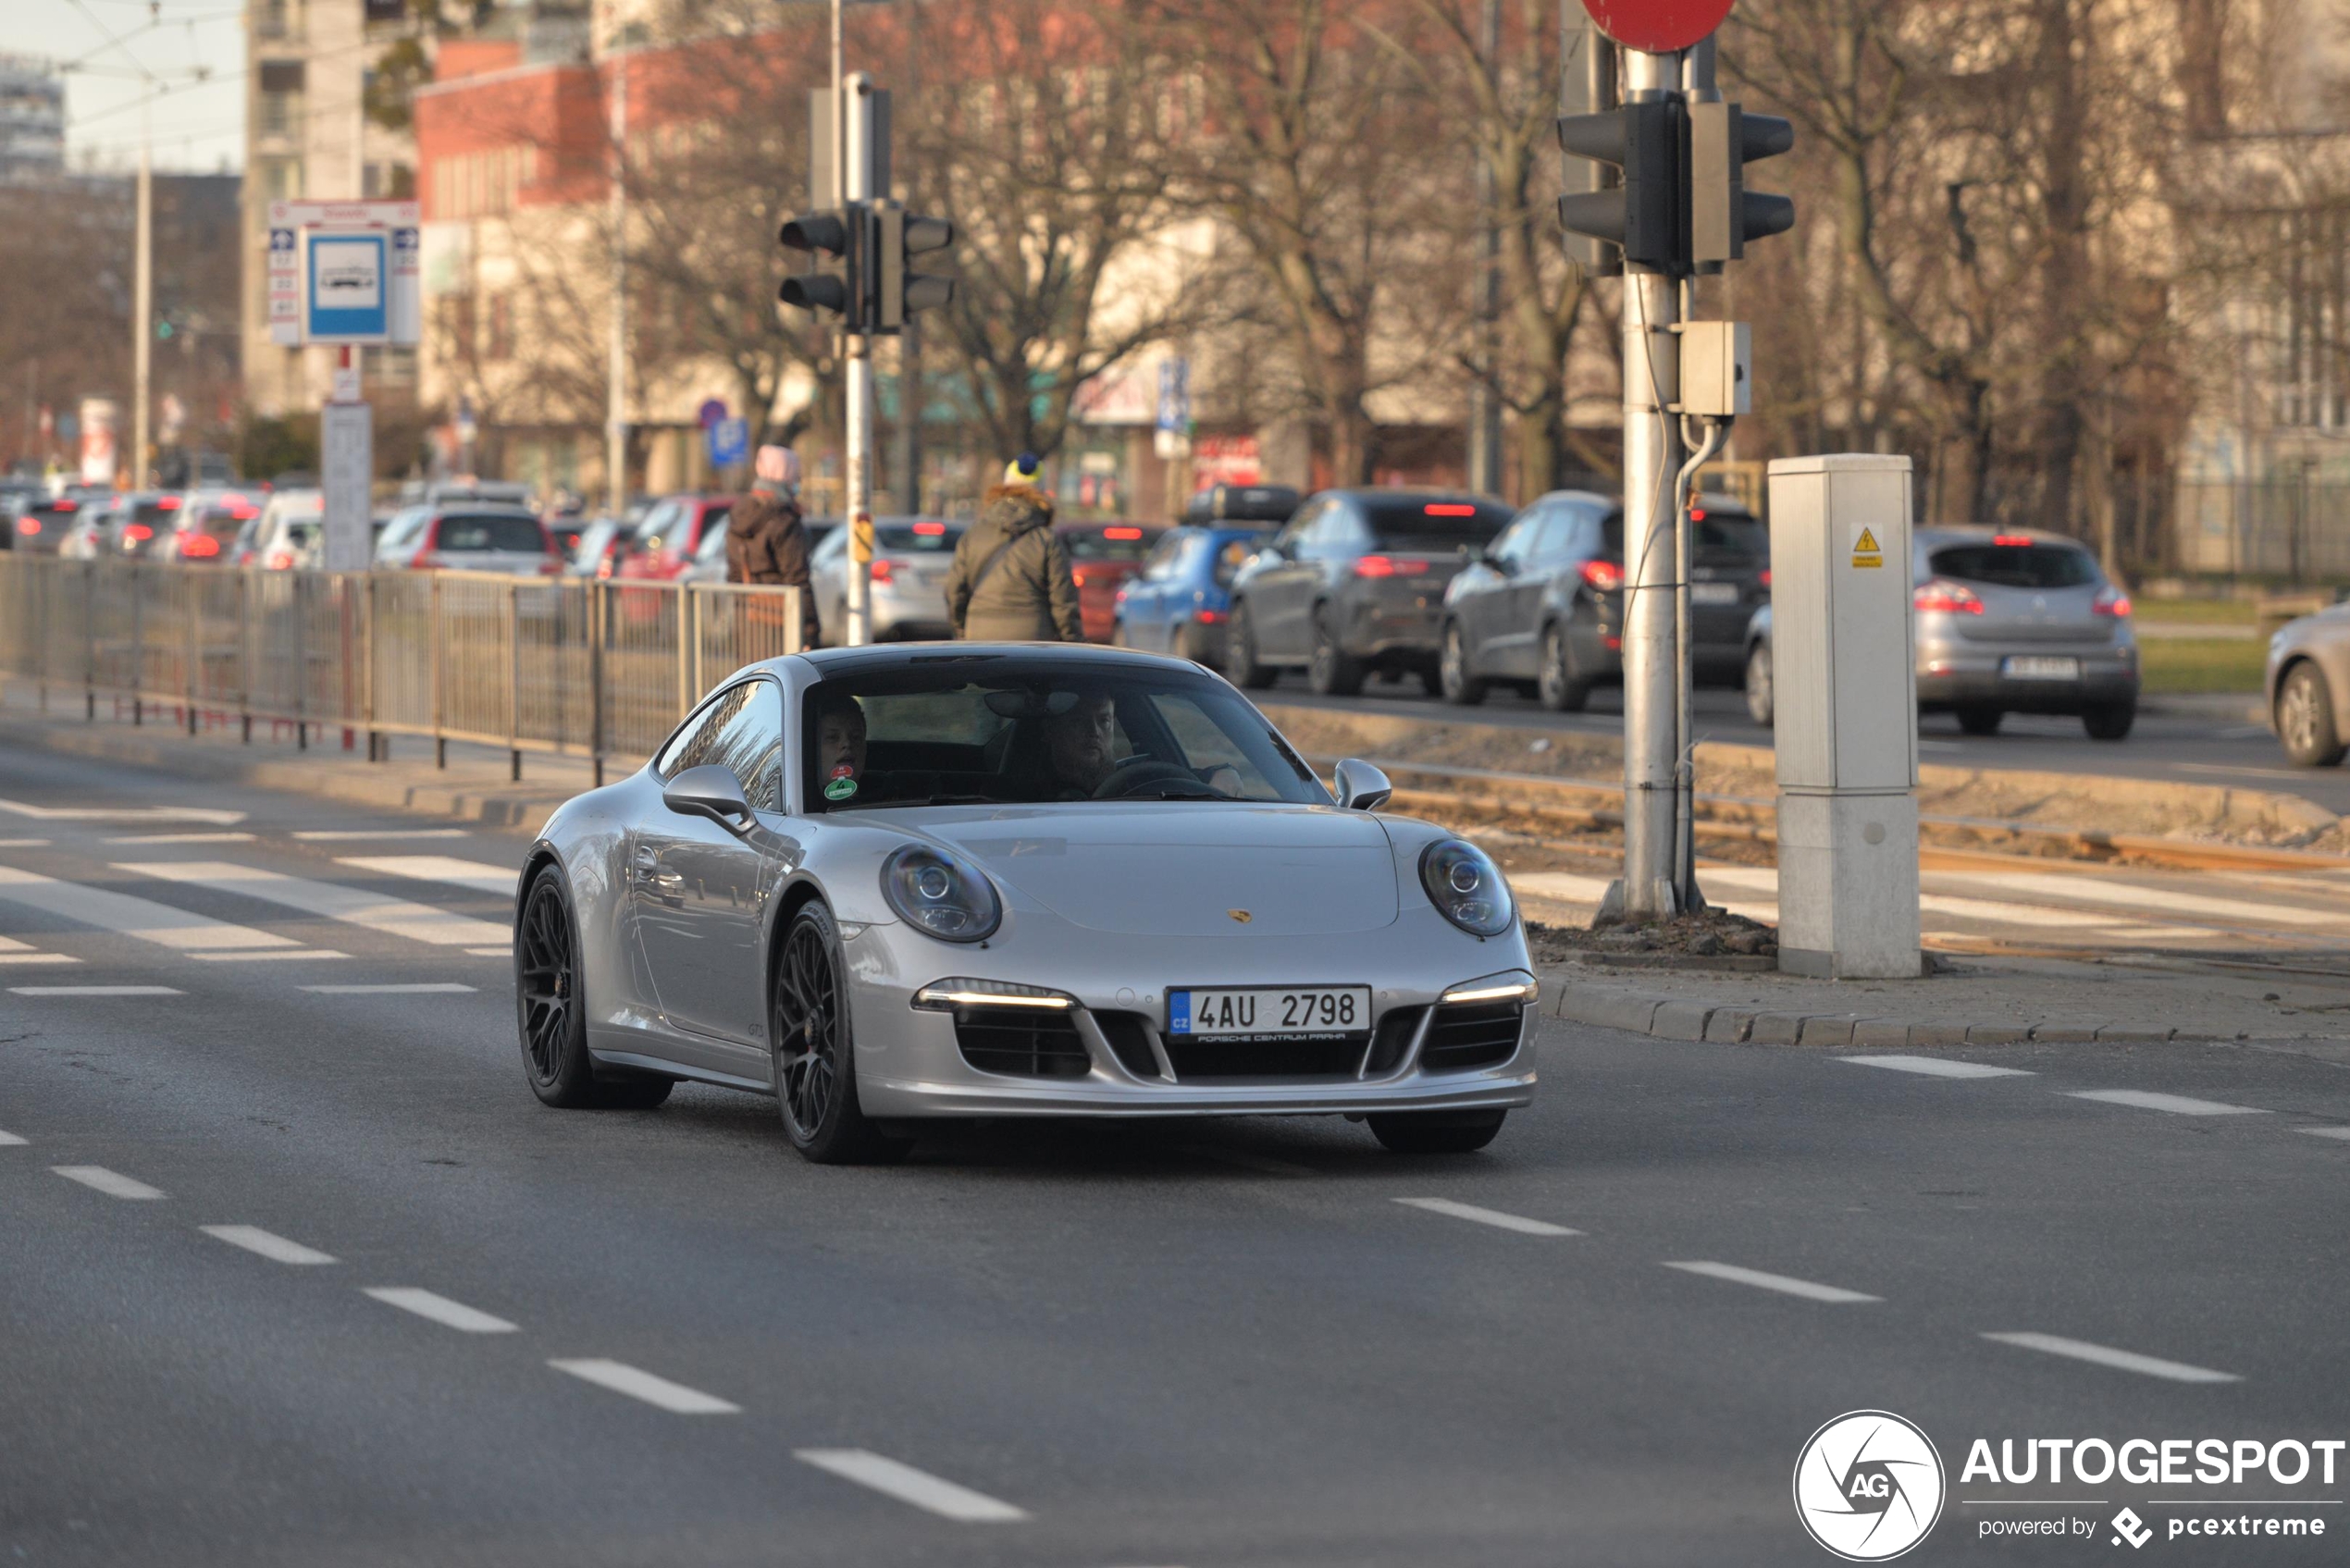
(1868, 1485)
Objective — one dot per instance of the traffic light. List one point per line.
(1647, 215)
(835, 278)
(903, 236)
(1724, 214)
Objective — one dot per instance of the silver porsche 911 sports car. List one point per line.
(963, 880)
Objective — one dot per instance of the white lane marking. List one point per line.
(1784, 1284)
(2105, 1355)
(478, 875)
(10, 1140)
(113, 1183)
(335, 835)
(261, 957)
(638, 1384)
(505, 952)
(269, 1245)
(24, 843)
(434, 988)
(1246, 1161)
(1494, 1217)
(183, 838)
(37, 958)
(907, 1484)
(93, 991)
(1938, 1067)
(440, 1309)
(127, 916)
(2177, 1104)
(2090, 889)
(394, 917)
(2340, 1132)
(124, 813)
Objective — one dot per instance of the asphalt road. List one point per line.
(2197, 740)
(659, 1338)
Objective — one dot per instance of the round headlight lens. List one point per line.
(939, 895)
(1467, 887)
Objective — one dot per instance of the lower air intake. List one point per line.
(1472, 1034)
(1021, 1042)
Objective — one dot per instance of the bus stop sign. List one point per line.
(1658, 26)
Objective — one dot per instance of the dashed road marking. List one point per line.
(269, 1245)
(394, 917)
(2177, 1104)
(113, 1183)
(128, 916)
(217, 817)
(335, 835)
(638, 1384)
(478, 875)
(2340, 1132)
(269, 956)
(433, 988)
(24, 843)
(1938, 1067)
(909, 1484)
(182, 838)
(93, 991)
(1784, 1284)
(1494, 1217)
(10, 1140)
(14, 952)
(2105, 1355)
(440, 1309)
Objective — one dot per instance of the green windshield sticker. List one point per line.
(840, 789)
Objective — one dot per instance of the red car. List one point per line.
(669, 536)
(1101, 557)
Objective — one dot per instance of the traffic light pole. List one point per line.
(1651, 462)
(857, 505)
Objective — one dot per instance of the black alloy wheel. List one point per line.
(1248, 668)
(1453, 670)
(550, 1012)
(815, 1048)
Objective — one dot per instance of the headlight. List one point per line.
(939, 895)
(1467, 887)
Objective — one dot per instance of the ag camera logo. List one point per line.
(1869, 1485)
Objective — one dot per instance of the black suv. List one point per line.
(1545, 607)
(1355, 582)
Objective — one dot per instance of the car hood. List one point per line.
(1177, 867)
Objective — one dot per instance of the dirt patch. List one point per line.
(1710, 933)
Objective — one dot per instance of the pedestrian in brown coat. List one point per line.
(766, 541)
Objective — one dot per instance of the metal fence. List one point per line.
(566, 665)
(2290, 529)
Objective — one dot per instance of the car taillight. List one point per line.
(65, 504)
(2112, 601)
(603, 569)
(1388, 566)
(138, 533)
(1207, 617)
(168, 503)
(882, 569)
(281, 561)
(1603, 576)
(551, 567)
(193, 546)
(2012, 541)
(1954, 599)
(1076, 576)
(1766, 576)
(1121, 533)
(27, 525)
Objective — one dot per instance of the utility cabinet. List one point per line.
(1845, 687)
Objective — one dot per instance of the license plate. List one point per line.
(1270, 1012)
(2022, 668)
(1713, 593)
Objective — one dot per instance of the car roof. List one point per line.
(480, 507)
(831, 662)
(1406, 492)
(1978, 532)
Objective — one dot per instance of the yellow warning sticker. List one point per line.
(1865, 549)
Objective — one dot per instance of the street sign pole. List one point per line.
(857, 163)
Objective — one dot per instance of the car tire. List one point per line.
(2111, 721)
(1455, 683)
(1436, 1132)
(812, 1035)
(1328, 670)
(2304, 718)
(1761, 694)
(549, 1017)
(1976, 720)
(1247, 668)
(1562, 685)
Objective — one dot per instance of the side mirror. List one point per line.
(709, 791)
(1362, 787)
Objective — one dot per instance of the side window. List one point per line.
(1513, 545)
(1161, 564)
(1294, 539)
(681, 752)
(742, 732)
(1553, 542)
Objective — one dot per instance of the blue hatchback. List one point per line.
(1179, 602)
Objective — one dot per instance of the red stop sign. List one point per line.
(1658, 26)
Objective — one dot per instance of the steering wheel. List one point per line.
(1138, 772)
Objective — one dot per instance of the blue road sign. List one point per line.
(1175, 394)
(729, 441)
(347, 291)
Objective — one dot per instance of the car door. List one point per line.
(1287, 586)
(1489, 591)
(698, 888)
(1547, 548)
(1142, 601)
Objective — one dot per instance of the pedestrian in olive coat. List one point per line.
(1011, 581)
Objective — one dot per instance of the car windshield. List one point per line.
(1437, 522)
(993, 729)
(1116, 542)
(1232, 554)
(2016, 565)
(489, 531)
(917, 538)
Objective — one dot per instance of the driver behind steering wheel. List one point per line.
(1080, 743)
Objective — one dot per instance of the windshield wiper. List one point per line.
(925, 800)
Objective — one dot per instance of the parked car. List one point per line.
(1179, 602)
(2309, 687)
(41, 522)
(436, 492)
(911, 556)
(1355, 582)
(1542, 607)
(287, 534)
(136, 520)
(206, 525)
(469, 536)
(2005, 622)
(597, 549)
(17, 492)
(85, 532)
(1102, 558)
(665, 542)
